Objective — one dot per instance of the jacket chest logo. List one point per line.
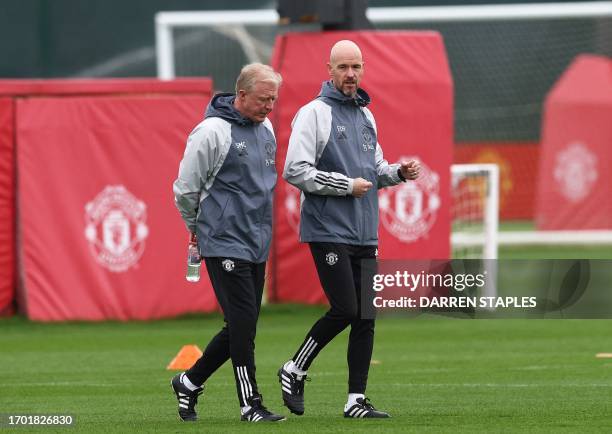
(367, 140)
(270, 153)
(341, 132)
(241, 147)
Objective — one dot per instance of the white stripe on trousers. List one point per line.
(303, 350)
(246, 377)
(245, 384)
(242, 387)
(306, 351)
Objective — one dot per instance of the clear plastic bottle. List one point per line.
(194, 260)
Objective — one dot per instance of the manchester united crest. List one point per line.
(331, 258)
(116, 228)
(576, 171)
(228, 264)
(292, 206)
(409, 210)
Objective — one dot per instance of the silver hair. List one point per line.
(255, 72)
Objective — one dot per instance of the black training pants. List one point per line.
(340, 268)
(238, 285)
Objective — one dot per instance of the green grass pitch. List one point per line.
(432, 374)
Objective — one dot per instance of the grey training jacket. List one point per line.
(226, 181)
(333, 141)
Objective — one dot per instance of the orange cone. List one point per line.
(185, 358)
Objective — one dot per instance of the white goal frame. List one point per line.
(488, 239)
(165, 22)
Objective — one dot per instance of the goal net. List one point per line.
(504, 58)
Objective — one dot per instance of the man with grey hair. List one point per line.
(224, 193)
(335, 159)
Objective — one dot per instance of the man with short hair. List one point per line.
(335, 159)
(224, 193)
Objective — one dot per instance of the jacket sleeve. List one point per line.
(195, 170)
(387, 174)
(300, 166)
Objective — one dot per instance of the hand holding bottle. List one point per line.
(194, 260)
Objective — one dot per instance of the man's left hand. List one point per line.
(410, 169)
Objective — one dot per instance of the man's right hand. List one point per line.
(360, 187)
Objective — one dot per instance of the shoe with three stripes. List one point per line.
(292, 389)
(363, 408)
(259, 413)
(187, 399)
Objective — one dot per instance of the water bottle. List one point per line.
(194, 260)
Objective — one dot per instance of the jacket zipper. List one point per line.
(263, 180)
(356, 120)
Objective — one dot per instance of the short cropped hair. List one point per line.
(254, 72)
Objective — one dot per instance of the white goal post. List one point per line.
(487, 236)
(556, 238)
(474, 206)
(486, 226)
(165, 22)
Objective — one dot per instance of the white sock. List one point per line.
(290, 367)
(188, 384)
(244, 409)
(352, 400)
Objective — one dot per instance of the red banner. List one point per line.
(575, 177)
(100, 235)
(7, 207)
(408, 77)
(518, 167)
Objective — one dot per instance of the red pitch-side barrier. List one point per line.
(408, 77)
(575, 177)
(7, 207)
(99, 235)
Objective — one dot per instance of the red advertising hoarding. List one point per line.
(7, 207)
(575, 176)
(100, 237)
